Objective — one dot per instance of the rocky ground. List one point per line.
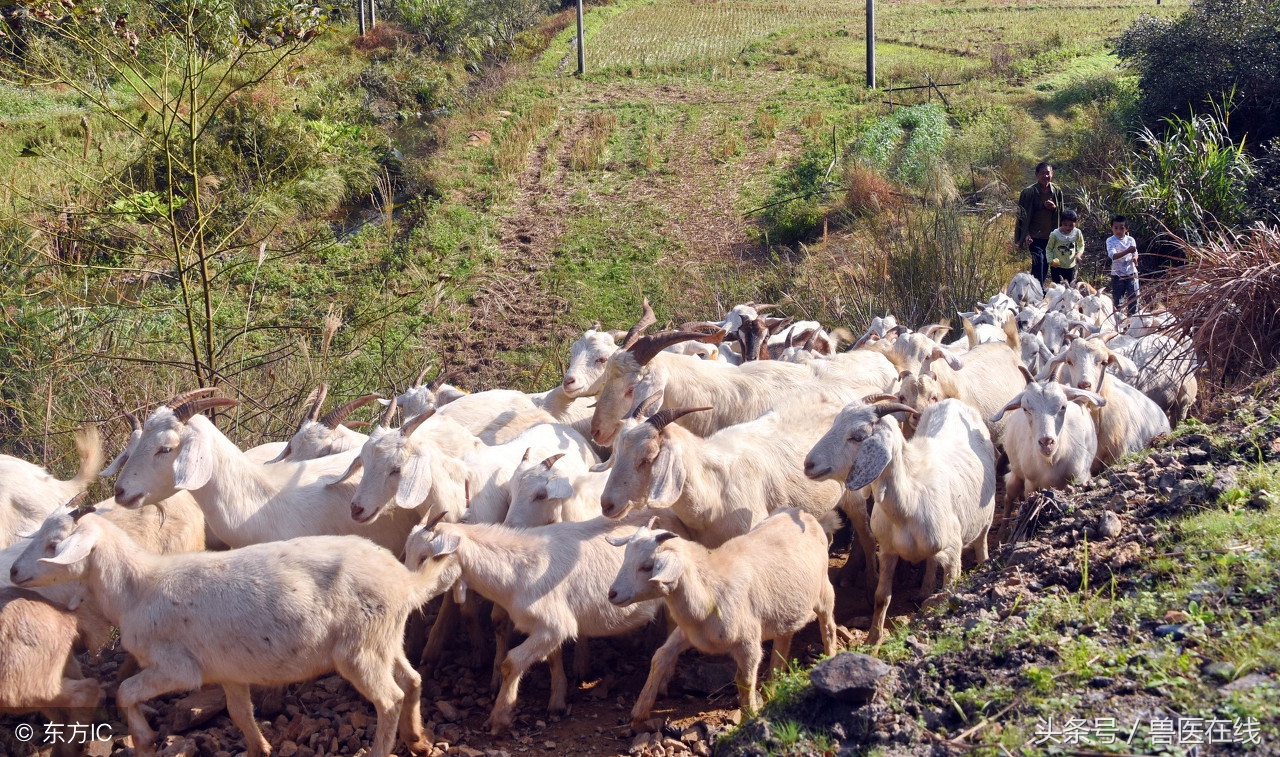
(986, 671)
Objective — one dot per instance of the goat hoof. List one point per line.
(498, 723)
(419, 746)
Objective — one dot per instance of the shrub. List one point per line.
(1191, 179)
(1215, 47)
(866, 191)
(1227, 301)
(930, 263)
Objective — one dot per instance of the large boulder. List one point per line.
(849, 677)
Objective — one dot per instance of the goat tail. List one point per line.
(89, 447)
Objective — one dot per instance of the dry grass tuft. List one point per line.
(867, 191)
(1227, 300)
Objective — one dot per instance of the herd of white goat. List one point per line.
(731, 450)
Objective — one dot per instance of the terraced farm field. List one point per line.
(668, 31)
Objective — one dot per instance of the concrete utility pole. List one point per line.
(361, 25)
(582, 52)
(871, 44)
(373, 14)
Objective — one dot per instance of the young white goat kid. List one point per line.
(269, 614)
(764, 585)
(551, 581)
(1052, 442)
(933, 495)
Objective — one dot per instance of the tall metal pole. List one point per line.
(373, 14)
(582, 51)
(871, 44)
(362, 23)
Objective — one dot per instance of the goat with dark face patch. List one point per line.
(932, 496)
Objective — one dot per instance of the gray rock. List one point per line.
(1245, 683)
(849, 677)
(1109, 525)
(1223, 671)
(706, 676)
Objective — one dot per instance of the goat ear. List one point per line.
(193, 467)
(1084, 397)
(115, 465)
(619, 541)
(666, 571)
(1126, 366)
(356, 465)
(652, 381)
(449, 486)
(1014, 404)
(415, 481)
(602, 467)
(873, 457)
(667, 482)
(75, 547)
(559, 488)
(444, 544)
(952, 359)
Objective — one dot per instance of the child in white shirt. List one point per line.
(1123, 252)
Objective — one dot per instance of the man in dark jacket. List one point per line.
(1039, 207)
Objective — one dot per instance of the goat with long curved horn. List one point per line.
(390, 413)
(664, 418)
(647, 347)
(178, 399)
(647, 319)
(187, 410)
(444, 377)
(336, 416)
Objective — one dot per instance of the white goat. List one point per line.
(558, 489)
(1166, 371)
(551, 581)
(984, 378)
(1129, 420)
(267, 614)
(1051, 443)
(726, 484)
(735, 393)
(28, 492)
(1025, 289)
(442, 471)
(933, 495)
(590, 353)
(318, 436)
(764, 585)
(38, 668)
(243, 502)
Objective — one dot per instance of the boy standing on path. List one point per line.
(1123, 252)
(1066, 245)
(1038, 215)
